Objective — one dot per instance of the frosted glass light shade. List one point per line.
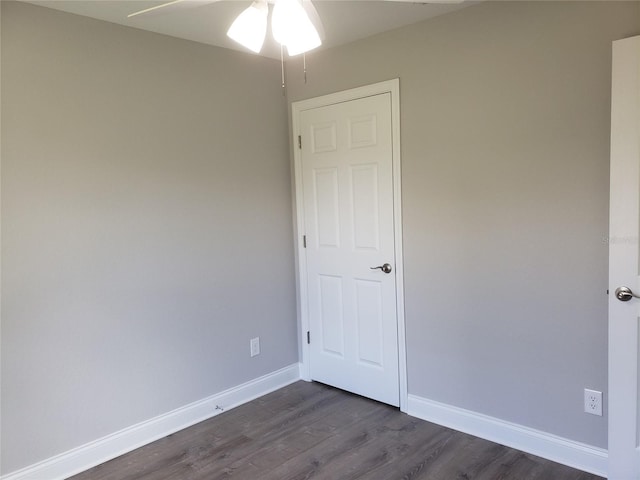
(250, 28)
(292, 27)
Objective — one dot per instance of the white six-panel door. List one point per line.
(624, 259)
(347, 176)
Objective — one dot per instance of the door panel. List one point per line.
(624, 228)
(347, 181)
(369, 321)
(326, 205)
(323, 137)
(331, 318)
(364, 190)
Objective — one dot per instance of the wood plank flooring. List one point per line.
(312, 431)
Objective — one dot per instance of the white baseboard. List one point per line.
(99, 451)
(574, 454)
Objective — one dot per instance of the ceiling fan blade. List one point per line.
(171, 7)
(314, 17)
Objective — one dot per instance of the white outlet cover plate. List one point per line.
(593, 402)
(255, 346)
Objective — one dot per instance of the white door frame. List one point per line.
(392, 87)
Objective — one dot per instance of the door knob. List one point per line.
(386, 268)
(624, 294)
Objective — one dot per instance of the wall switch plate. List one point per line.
(593, 402)
(255, 346)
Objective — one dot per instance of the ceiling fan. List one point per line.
(295, 24)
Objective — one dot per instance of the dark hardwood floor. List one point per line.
(311, 431)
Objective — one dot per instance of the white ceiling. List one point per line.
(202, 21)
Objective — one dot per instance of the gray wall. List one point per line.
(505, 146)
(146, 227)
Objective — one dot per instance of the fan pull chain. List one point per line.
(304, 66)
(282, 66)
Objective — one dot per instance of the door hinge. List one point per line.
(304, 241)
(300, 142)
(308, 337)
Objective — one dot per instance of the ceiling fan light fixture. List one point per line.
(292, 27)
(250, 27)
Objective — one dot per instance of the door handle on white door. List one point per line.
(386, 268)
(624, 294)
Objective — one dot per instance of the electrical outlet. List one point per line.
(255, 346)
(593, 402)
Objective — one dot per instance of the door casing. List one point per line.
(392, 87)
